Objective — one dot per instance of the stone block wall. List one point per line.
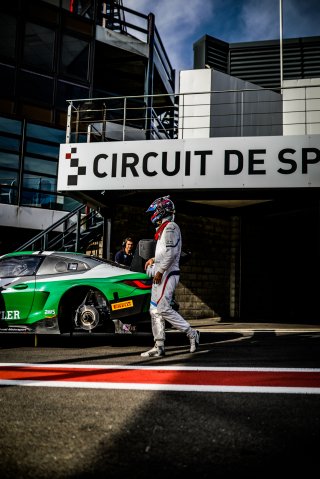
(209, 277)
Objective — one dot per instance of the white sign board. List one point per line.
(209, 163)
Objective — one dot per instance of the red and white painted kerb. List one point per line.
(163, 378)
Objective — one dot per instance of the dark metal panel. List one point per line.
(259, 62)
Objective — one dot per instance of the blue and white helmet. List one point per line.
(161, 208)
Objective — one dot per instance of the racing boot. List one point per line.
(156, 352)
(194, 341)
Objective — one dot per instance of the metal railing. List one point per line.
(138, 25)
(247, 112)
(120, 118)
(78, 229)
(112, 15)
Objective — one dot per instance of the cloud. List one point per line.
(257, 26)
(177, 22)
(260, 19)
(182, 22)
(301, 18)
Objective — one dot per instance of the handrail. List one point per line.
(50, 228)
(135, 27)
(221, 113)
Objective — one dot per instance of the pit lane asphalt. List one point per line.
(221, 343)
(79, 433)
(216, 325)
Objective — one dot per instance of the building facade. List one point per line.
(50, 52)
(253, 232)
(259, 62)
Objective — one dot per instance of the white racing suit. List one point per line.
(167, 256)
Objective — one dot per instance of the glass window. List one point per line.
(39, 47)
(36, 89)
(70, 203)
(9, 143)
(9, 160)
(39, 182)
(7, 82)
(40, 166)
(19, 266)
(81, 7)
(74, 57)
(8, 177)
(8, 26)
(8, 186)
(68, 91)
(38, 190)
(46, 133)
(57, 2)
(29, 198)
(41, 149)
(10, 126)
(31, 181)
(47, 200)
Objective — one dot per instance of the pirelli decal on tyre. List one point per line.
(122, 305)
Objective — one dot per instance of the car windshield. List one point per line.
(15, 266)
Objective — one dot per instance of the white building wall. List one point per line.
(194, 106)
(213, 104)
(301, 107)
(29, 218)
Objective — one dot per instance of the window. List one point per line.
(39, 182)
(67, 91)
(7, 82)
(10, 126)
(19, 266)
(8, 186)
(57, 2)
(9, 143)
(39, 190)
(74, 57)
(40, 165)
(9, 160)
(41, 149)
(39, 47)
(8, 26)
(46, 133)
(36, 89)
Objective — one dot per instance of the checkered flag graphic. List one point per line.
(74, 163)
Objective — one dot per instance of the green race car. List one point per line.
(57, 292)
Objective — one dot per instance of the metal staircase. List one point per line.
(113, 16)
(77, 231)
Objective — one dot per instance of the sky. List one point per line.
(180, 23)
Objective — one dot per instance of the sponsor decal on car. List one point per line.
(122, 305)
(10, 314)
(16, 329)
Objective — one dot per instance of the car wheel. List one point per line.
(83, 309)
(87, 317)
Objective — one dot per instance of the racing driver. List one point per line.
(164, 268)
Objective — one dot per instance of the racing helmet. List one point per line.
(161, 208)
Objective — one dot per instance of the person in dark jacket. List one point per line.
(125, 255)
